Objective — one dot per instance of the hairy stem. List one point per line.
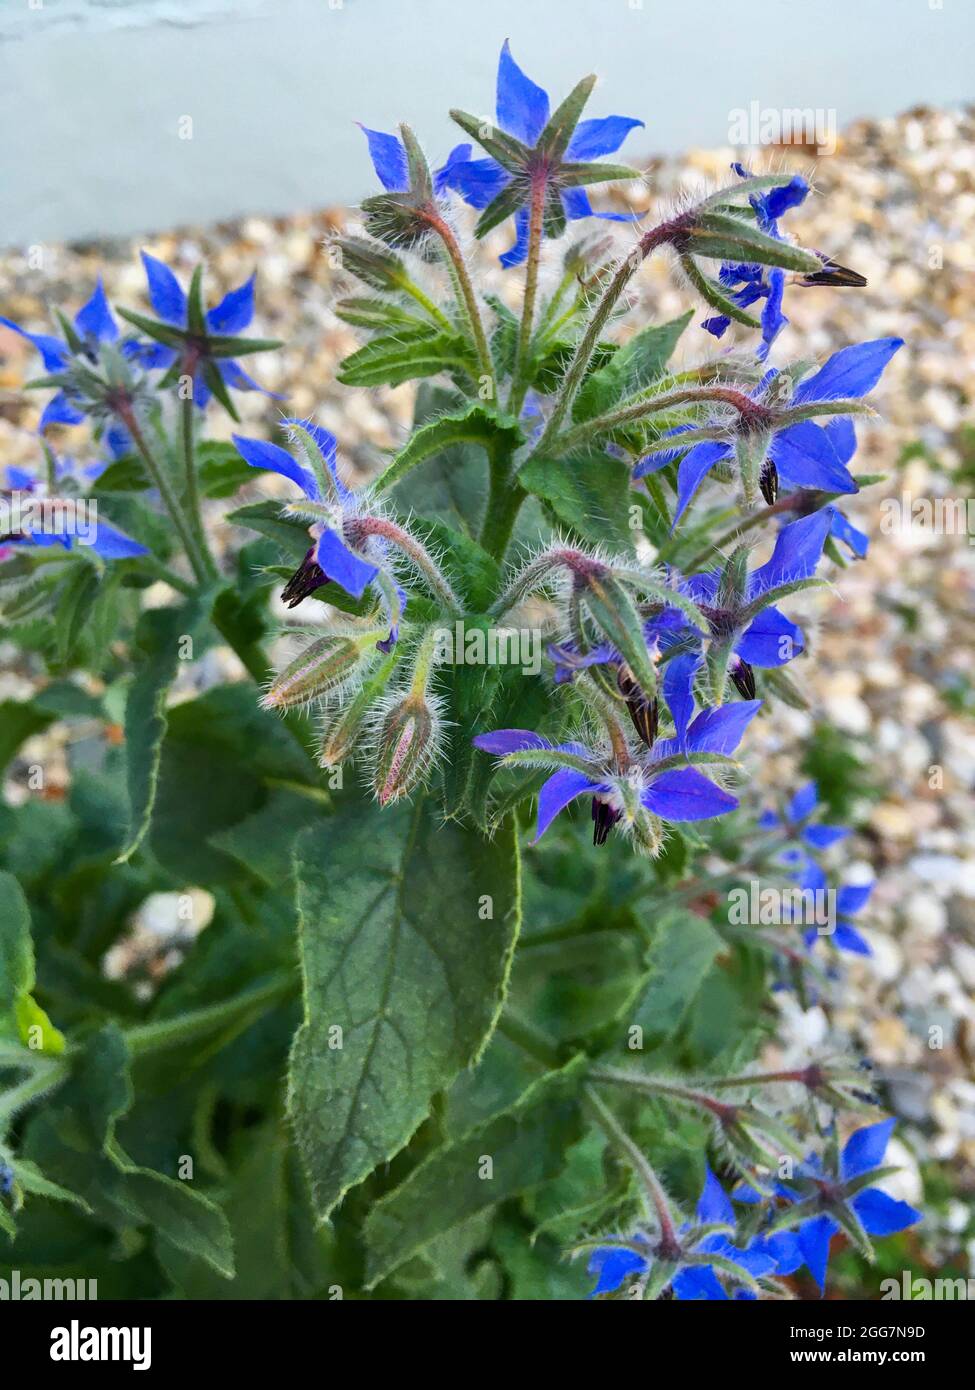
(452, 248)
(192, 491)
(648, 243)
(164, 486)
(237, 1013)
(536, 212)
(618, 1136)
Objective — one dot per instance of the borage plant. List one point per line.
(466, 851)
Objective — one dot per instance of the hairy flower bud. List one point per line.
(405, 747)
(328, 663)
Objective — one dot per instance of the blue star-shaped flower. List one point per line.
(529, 150)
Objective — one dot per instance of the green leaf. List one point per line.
(19, 721)
(576, 175)
(221, 469)
(20, 1015)
(397, 953)
(682, 953)
(475, 425)
(725, 237)
(75, 602)
(217, 755)
(159, 636)
(639, 363)
(390, 359)
(554, 139)
(266, 518)
(186, 1219)
(590, 493)
(33, 1181)
(524, 1148)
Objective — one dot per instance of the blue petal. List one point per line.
(20, 479)
(502, 741)
(847, 938)
(518, 252)
(678, 684)
(113, 545)
(388, 159)
(822, 836)
(685, 795)
(853, 898)
(118, 441)
(694, 468)
(699, 1283)
(54, 354)
(796, 554)
(576, 203)
(785, 1251)
(721, 730)
(165, 292)
(803, 803)
(327, 447)
(779, 200)
(561, 788)
(239, 380)
(604, 135)
(235, 310)
(771, 640)
(95, 320)
(717, 325)
(883, 1215)
(773, 319)
(804, 457)
(814, 1239)
(261, 454)
(714, 1203)
(853, 371)
(522, 105)
(843, 530)
(865, 1148)
(613, 1266)
(478, 181)
(842, 436)
(443, 178)
(350, 572)
(59, 411)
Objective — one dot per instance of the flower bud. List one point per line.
(328, 663)
(405, 747)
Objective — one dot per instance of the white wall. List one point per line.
(92, 91)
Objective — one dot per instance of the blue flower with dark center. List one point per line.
(797, 820)
(391, 162)
(746, 284)
(842, 1200)
(535, 153)
(743, 616)
(631, 787)
(98, 535)
(339, 554)
(190, 340)
(851, 898)
(93, 329)
(785, 444)
(695, 1279)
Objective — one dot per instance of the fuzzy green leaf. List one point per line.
(397, 953)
